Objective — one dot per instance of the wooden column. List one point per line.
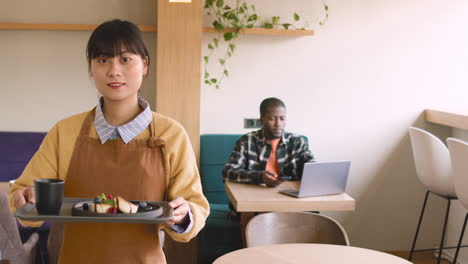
(178, 64)
(178, 73)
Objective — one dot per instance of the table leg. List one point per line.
(244, 219)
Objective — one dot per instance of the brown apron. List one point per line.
(134, 171)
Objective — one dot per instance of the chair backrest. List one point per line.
(294, 227)
(215, 150)
(432, 161)
(458, 155)
(11, 248)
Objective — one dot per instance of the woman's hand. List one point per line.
(23, 196)
(181, 208)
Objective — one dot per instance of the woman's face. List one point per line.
(119, 78)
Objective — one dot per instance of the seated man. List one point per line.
(270, 154)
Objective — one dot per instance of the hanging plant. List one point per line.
(229, 21)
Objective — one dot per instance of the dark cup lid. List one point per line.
(48, 181)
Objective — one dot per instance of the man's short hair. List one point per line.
(270, 102)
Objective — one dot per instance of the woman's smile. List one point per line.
(115, 85)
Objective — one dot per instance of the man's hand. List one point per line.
(270, 179)
(23, 196)
(181, 208)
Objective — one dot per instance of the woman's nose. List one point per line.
(114, 69)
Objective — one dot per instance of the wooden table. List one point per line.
(257, 198)
(251, 198)
(308, 253)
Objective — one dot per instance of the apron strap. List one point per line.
(84, 132)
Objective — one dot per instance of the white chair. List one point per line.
(294, 227)
(433, 168)
(459, 157)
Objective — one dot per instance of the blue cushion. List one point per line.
(16, 149)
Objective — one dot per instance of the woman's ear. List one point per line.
(145, 69)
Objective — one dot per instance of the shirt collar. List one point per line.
(261, 136)
(126, 131)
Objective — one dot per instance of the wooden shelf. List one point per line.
(148, 28)
(65, 27)
(452, 119)
(265, 31)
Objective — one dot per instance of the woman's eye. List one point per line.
(102, 60)
(126, 59)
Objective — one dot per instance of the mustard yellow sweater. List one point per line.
(53, 159)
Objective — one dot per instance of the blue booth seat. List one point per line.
(221, 233)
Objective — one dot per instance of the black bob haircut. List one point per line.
(109, 37)
(270, 102)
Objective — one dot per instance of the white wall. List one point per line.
(353, 89)
(44, 74)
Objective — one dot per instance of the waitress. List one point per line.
(120, 148)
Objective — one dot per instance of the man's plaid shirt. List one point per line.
(251, 152)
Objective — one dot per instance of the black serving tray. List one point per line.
(29, 213)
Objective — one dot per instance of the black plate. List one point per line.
(29, 213)
(157, 211)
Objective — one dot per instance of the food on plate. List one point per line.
(107, 204)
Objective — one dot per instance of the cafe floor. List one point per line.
(426, 257)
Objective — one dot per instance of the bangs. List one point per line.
(113, 37)
(111, 48)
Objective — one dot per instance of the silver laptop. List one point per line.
(322, 178)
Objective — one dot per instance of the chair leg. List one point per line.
(460, 240)
(419, 225)
(439, 258)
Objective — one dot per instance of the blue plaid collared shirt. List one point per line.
(251, 153)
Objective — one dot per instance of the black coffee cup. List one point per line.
(49, 195)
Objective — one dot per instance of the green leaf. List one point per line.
(268, 25)
(214, 80)
(275, 19)
(296, 17)
(286, 25)
(206, 59)
(232, 16)
(207, 75)
(219, 3)
(226, 73)
(326, 8)
(321, 23)
(228, 36)
(218, 26)
(208, 82)
(229, 54)
(226, 7)
(217, 86)
(216, 42)
(253, 7)
(252, 18)
(244, 5)
(210, 46)
(250, 26)
(234, 35)
(232, 47)
(221, 61)
(241, 10)
(209, 3)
